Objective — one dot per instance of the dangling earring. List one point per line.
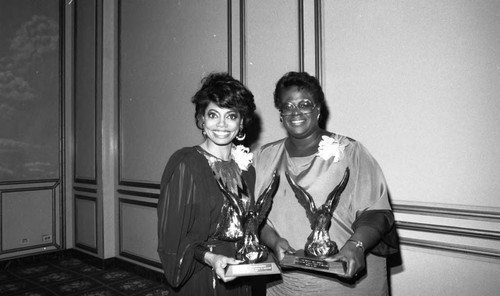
(281, 119)
(241, 136)
(203, 132)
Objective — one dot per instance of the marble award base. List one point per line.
(252, 269)
(299, 260)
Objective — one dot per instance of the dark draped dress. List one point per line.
(191, 208)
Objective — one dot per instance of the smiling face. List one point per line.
(221, 125)
(298, 124)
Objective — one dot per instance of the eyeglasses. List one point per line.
(304, 107)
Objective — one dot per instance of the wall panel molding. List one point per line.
(243, 42)
(453, 228)
(448, 211)
(159, 73)
(85, 189)
(81, 86)
(82, 180)
(86, 241)
(27, 182)
(454, 248)
(318, 40)
(32, 128)
(139, 184)
(139, 193)
(128, 229)
(34, 242)
(121, 179)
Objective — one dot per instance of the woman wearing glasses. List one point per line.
(317, 160)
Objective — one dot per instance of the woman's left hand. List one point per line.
(219, 264)
(354, 258)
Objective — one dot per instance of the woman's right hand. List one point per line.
(282, 247)
(279, 245)
(219, 264)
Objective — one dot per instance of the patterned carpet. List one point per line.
(74, 277)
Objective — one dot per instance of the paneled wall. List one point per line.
(414, 81)
(161, 64)
(32, 127)
(87, 211)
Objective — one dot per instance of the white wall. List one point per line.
(418, 82)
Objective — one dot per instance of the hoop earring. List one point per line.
(241, 136)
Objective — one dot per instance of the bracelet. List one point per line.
(359, 244)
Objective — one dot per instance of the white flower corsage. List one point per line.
(332, 147)
(242, 156)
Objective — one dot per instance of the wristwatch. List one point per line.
(359, 244)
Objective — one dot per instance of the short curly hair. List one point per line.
(303, 81)
(225, 91)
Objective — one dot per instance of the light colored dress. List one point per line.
(366, 190)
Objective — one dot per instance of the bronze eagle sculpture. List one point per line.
(250, 215)
(319, 243)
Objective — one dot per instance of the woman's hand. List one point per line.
(282, 247)
(354, 258)
(278, 245)
(219, 264)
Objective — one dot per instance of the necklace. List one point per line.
(227, 171)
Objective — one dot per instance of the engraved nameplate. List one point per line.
(298, 260)
(263, 268)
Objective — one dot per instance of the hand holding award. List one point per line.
(319, 245)
(250, 215)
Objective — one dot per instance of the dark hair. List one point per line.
(303, 81)
(225, 91)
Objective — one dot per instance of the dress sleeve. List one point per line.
(372, 202)
(182, 226)
(369, 191)
(383, 222)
